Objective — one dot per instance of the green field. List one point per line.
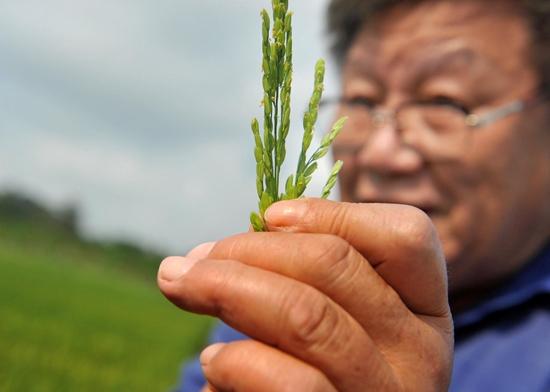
(77, 316)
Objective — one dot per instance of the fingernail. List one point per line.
(285, 213)
(173, 268)
(210, 352)
(201, 251)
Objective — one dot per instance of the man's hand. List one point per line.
(337, 297)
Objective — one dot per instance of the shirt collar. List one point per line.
(532, 280)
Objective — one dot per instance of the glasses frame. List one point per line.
(471, 119)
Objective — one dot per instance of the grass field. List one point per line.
(68, 324)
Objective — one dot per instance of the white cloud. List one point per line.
(140, 110)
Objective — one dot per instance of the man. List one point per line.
(447, 113)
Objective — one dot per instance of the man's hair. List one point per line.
(345, 18)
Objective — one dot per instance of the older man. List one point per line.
(447, 113)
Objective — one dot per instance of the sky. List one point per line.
(138, 111)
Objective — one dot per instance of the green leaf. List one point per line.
(334, 132)
(265, 202)
(268, 168)
(332, 179)
(259, 149)
(255, 126)
(265, 24)
(301, 164)
(260, 178)
(307, 139)
(259, 187)
(257, 222)
(288, 22)
(306, 122)
(267, 105)
(300, 186)
(266, 83)
(310, 169)
(281, 155)
(319, 71)
(269, 141)
(320, 153)
(289, 186)
(258, 154)
(338, 125)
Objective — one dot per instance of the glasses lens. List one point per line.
(442, 120)
(440, 129)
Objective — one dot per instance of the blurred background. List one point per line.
(124, 137)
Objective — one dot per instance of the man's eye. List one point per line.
(360, 102)
(447, 102)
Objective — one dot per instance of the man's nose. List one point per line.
(385, 153)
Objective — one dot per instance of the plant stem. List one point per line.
(276, 137)
(270, 151)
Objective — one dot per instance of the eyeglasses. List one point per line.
(440, 127)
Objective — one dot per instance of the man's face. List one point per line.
(489, 202)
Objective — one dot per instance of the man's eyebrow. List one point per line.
(364, 68)
(437, 62)
(464, 63)
(434, 62)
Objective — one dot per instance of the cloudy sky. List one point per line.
(139, 110)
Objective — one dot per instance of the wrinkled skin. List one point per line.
(331, 297)
(489, 204)
(353, 296)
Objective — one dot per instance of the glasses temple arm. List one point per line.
(481, 120)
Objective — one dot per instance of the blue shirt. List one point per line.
(502, 344)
